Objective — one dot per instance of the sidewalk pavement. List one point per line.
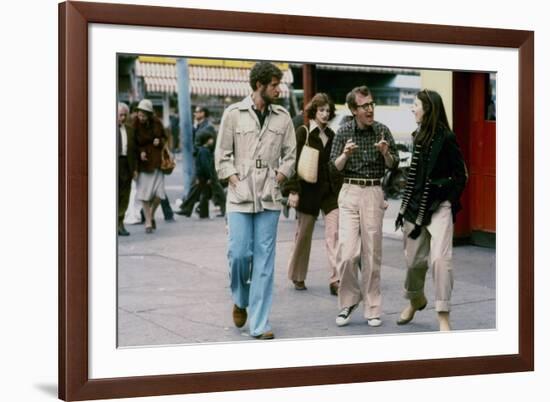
(173, 285)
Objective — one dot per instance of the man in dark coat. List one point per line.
(205, 174)
(203, 129)
(126, 152)
(202, 126)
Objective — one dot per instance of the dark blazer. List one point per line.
(204, 128)
(323, 194)
(204, 164)
(447, 172)
(132, 150)
(127, 166)
(145, 135)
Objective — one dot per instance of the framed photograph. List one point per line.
(136, 316)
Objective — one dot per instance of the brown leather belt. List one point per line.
(362, 182)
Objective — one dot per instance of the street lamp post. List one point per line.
(186, 124)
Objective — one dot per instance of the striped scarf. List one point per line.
(410, 187)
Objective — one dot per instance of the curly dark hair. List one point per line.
(350, 97)
(264, 71)
(319, 100)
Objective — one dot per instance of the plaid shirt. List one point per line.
(366, 161)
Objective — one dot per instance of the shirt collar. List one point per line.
(367, 129)
(313, 125)
(247, 103)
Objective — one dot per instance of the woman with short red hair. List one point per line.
(310, 198)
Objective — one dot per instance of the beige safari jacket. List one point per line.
(255, 155)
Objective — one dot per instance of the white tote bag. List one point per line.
(309, 162)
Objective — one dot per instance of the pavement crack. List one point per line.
(173, 259)
(137, 313)
(134, 314)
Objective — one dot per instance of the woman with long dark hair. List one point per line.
(310, 198)
(428, 210)
(150, 140)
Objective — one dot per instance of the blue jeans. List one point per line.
(251, 255)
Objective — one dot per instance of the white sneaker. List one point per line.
(344, 317)
(374, 322)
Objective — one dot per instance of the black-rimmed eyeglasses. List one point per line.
(366, 106)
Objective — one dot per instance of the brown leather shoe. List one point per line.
(299, 285)
(265, 336)
(239, 316)
(333, 287)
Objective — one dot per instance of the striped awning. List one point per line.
(204, 80)
(365, 69)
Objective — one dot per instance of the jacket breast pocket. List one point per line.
(245, 129)
(244, 139)
(276, 130)
(276, 136)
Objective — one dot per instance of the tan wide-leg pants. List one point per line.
(434, 245)
(361, 218)
(299, 258)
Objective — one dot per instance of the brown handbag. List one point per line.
(168, 163)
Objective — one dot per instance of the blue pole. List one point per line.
(186, 124)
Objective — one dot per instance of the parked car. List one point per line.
(395, 180)
(342, 115)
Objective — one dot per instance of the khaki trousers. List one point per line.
(360, 235)
(433, 246)
(299, 258)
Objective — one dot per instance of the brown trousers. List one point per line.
(433, 246)
(299, 258)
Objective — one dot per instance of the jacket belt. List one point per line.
(257, 163)
(362, 182)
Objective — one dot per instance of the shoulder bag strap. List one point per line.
(307, 134)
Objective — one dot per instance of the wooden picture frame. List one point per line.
(74, 380)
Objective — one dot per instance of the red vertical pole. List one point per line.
(310, 85)
(461, 127)
(477, 139)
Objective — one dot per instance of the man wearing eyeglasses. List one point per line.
(202, 126)
(362, 149)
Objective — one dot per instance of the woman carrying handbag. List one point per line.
(309, 194)
(150, 142)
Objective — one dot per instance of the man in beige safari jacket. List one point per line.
(256, 152)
